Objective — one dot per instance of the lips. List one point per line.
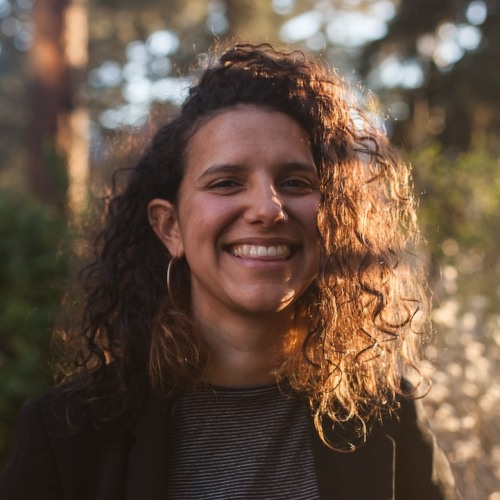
(261, 251)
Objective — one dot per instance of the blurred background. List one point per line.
(75, 74)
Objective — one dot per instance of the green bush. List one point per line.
(33, 264)
(460, 214)
(460, 217)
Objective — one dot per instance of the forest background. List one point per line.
(75, 74)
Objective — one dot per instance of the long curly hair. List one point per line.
(366, 312)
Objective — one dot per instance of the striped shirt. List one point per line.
(251, 443)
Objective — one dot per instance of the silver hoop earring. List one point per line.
(169, 272)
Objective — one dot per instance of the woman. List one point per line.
(251, 311)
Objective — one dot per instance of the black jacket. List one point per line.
(124, 461)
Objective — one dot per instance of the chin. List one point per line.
(268, 305)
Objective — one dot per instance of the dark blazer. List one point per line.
(125, 461)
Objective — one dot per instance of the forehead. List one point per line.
(247, 129)
(255, 111)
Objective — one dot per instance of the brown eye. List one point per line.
(225, 185)
(297, 185)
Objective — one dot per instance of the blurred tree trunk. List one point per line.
(56, 131)
(74, 137)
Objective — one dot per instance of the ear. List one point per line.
(163, 219)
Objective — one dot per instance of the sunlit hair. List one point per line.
(366, 312)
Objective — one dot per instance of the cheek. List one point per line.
(311, 221)
(204, 218)
(308, 212)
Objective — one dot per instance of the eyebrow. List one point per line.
(222, 168)
(230, 168)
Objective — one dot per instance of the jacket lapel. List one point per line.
(367, 472)
(148, 458)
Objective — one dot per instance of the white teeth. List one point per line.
(261, 251)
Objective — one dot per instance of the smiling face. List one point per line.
(246, 214)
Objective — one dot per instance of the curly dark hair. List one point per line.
(366, 311)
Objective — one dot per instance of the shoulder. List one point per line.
(85, 405)
(421, 464)
(33, 455)
(60, 450)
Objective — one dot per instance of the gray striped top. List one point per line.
(251, 443)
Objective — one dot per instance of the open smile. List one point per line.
(260, 251)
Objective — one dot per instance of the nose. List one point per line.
(265, 207)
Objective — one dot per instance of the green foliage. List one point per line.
(459, 209)
(460, 217)
(32, 265)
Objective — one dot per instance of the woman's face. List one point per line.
(246, 214)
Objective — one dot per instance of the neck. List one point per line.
(246, 351)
